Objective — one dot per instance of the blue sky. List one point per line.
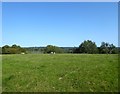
(61, 24)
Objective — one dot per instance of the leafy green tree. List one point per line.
(51, 48)
(5, 49)
(15, 46)
(112, 49)
(104, 48)
(107, 48)
(88, 47)
(14, 49)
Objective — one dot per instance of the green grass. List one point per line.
(0, 74)
(60, 73)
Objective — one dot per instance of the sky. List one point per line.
(64, 24)
(60, 0)
(0, 23)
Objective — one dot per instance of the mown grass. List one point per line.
(60, 73)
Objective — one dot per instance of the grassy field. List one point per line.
(60, 73)
(0, 74)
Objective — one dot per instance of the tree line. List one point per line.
(90, 47)
(87, 47)
(14, 49)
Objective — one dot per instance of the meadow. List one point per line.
(60, 73)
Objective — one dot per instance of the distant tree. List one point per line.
(107, 48)
(112, 48)
(51, 48)
(0, 50)
(118, 50)
(104, 48)
(76, 50)
(88, 47)
(14, 49)
(15, 46)
(23, 50)
(5, 49)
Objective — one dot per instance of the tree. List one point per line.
(5, 49)
(51, 48)
(76, 50)
(104, 48)
(0, 50)
(88, 47)
(14, 49)
(112, 49)
(107, 48)
(15, 46)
